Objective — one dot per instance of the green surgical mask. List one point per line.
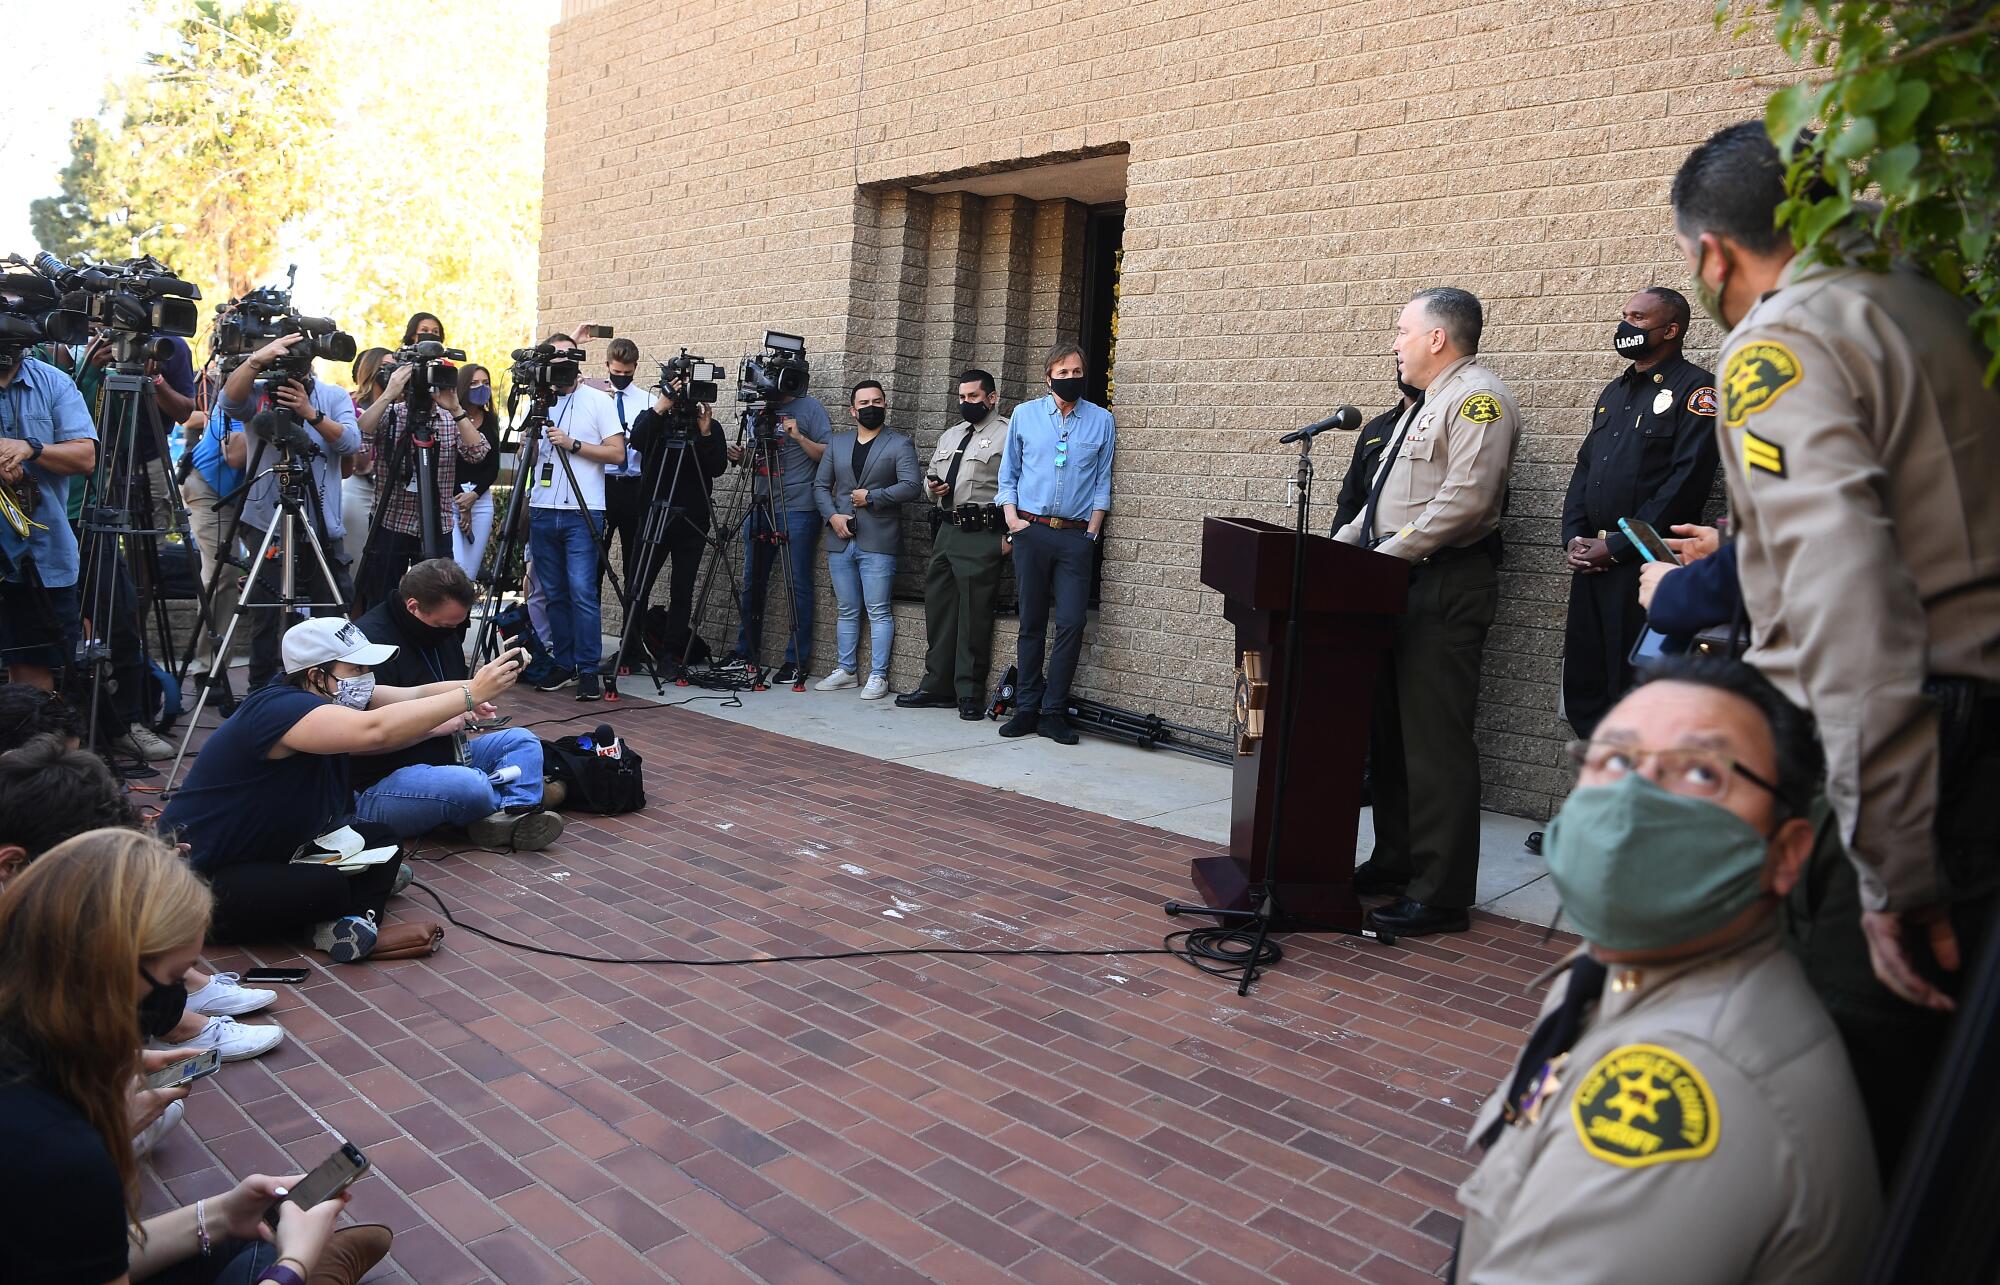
(1708, 296)
(1642, 868)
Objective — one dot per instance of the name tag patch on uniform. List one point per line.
(1661, 401)
(1757, 375)
(1481, 408)
(1702, 400)
(1643, 1105)
(1761, 454)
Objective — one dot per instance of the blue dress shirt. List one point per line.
(262, 498)
(41, 404)
(1058, 466)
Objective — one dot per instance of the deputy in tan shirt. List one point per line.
(1435, 501)
(1683, 1113)
(1859, 444)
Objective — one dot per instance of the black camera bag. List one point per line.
(594, 783)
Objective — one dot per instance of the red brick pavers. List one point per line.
(875, 1120)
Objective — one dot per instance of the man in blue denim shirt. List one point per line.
(328, 413)
(803, 432)
(46, 438)
(1055, 486)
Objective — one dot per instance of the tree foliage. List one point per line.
(204, 159)
(1907, 100)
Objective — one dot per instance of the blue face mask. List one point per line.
(479, 395)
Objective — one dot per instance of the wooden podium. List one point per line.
(1352, 597)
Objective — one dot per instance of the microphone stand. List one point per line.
(1262, 950)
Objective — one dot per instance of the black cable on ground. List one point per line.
(1224, 952)
(662, 960)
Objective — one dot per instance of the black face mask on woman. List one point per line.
(160, 1008)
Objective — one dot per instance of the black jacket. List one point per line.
(708, 460)
(1651, 454)
(423, 655)
(1368, 448)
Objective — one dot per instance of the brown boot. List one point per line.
(350, 1253)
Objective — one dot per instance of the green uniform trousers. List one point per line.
(1426, 760)
(961, 584)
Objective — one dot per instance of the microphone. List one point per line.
(1346, 419)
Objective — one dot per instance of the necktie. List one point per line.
(1388, 465)
(1554, 1036)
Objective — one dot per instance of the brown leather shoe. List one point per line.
(554, 793)
(350, 1253)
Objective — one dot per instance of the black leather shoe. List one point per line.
(1406, 918)
(1057, 729)
(1024, 723)
(971, 710)
(920, 699)
(1371, 880)
(1533, 843)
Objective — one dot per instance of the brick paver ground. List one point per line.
(884, 1120)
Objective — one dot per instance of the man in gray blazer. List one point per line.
(865, 478)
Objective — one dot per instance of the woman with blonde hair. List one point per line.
(94, 938)
(357, 486)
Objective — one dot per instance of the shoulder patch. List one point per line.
(1757, 375)
(1702, 400)
(1759, 453)
(1481, 408)
(1644, 1105)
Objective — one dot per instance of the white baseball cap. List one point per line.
(325, 639)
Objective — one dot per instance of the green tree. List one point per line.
(1907, 100)
(202, 159)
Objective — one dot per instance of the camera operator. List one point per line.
(472, 507)
(624, 497)
(584, 426)
(327, 413)
(46, 438)
(398, 540)
(422, 326)
(683, 492)
(803, 432)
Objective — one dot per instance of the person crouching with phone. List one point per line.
(86, 935)
(274, 777)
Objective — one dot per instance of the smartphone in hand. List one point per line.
(332, 1176)
(1647, 541)
(185, 1071)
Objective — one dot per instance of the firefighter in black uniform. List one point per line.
(1650, 455)
(1369, 444)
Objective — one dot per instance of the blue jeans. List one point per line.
(565, 557)
(419, 798)
(802, 539)
(864, 579)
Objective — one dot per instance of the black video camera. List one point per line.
(778, 374)
(32, 312)
(430, 356)
(547, 370)
(244, 325)
(688, 383)
(140, 296)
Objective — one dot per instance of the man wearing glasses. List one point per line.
(1684, 1108)
(1055, 487)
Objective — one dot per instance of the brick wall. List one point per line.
(1296, 170)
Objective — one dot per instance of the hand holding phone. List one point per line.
(328, 1179)
(1647, 541)
(185, 1071)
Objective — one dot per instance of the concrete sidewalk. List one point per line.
(1173, 792)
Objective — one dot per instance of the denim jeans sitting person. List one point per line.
(490, 784)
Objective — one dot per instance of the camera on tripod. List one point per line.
(689, 383)
(545, 368)
(140, 296)
(430, 356)
(265, 314)
(779, 373)
(32, 312)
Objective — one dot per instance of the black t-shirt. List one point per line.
(62, 1210)
(238, 805)
(861, 457)
(423, 655)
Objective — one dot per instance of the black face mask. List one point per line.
(621, 382)
(1068, 389)
(1408, 389)
(872, 417)
(160, 1008)
(434, 635)
(1633, 343)
(974, 412)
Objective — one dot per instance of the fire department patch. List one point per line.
(1643, 1105)
(1757, 375)
(1702, 400)
(1481, 408)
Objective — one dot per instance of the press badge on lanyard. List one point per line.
(548, 477)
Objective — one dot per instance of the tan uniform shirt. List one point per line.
(1446, 485)
(1863, 459)
(979, 472)
(1705, 1129)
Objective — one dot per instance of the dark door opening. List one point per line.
(1103, 252)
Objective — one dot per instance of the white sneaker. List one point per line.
(140, 741)
(149, 1137)
(877, 688)
(224, 997)
(233, 1040)
(838, 680)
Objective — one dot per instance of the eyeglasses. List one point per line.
(1698, 773)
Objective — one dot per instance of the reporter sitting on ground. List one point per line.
(51, 791)
(26, 711)
(1696, 1119)
(419, 788)
(84, 935)
(274, 776)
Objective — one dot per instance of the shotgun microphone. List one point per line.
(1346, 420)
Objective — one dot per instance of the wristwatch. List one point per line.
(34, 448)
(574, 446)
(319, 417)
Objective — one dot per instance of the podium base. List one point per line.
(1225, 883)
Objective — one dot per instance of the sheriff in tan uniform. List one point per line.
(1703, 1129)
(1435, 501)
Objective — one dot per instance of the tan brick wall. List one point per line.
(1296, 170)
